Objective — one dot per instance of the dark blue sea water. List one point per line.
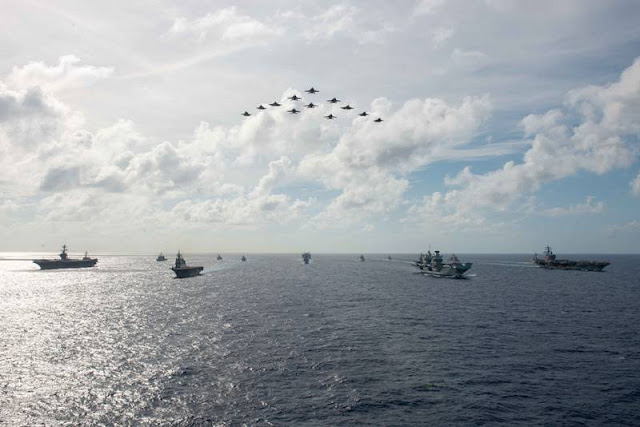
(337, 342)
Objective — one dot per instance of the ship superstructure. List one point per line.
(183, 270)
(434, 265)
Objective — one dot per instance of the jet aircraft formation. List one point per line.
(312, 91)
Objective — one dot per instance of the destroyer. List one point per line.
(161, 257)
(549, 261)
(183, 270)
(65, 261)
(433, 265)
(306, 257)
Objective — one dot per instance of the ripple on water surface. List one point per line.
(338, 341)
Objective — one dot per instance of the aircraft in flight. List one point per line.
(330, 117)
(312, 90)
(333, 100)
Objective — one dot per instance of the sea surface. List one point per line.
(273, 341)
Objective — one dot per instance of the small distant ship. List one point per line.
(219, 258)
(161, 257)
(549, 261)
(306, 257)
(243, 259)
(65, 261)
(362, 258)
(433, 265)
(389, 258)
(183, 270)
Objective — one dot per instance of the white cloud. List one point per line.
(426, 7)
(558, 149)
(338, 18)
(590, 206)
(469, 58)
(635, 185)
(66, 75)
(226, 25)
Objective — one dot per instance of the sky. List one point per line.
(507, 125)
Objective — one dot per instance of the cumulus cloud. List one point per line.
(590, 206)
(559, 149)
(635, 185)
(226, 25)
(65, 75)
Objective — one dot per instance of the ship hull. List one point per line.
(572, 265)
(182, 273)
(54, 264)
(454, 272)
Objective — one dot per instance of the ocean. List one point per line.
(273, 341)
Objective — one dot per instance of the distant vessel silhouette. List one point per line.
(183, 270)
(219, 258)
(362, 258)
(243, 259)
(549, 261)
(65, 261)
(306, 257)
(161, 257)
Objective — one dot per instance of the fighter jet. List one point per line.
(347, 107)
(364, 114)
(311, 105)
(330, 117)
(293, 111)
(246, 114)
(378, 120)
(333, 100)
(312, 91)
(275, 104)
(294, 97)
(260, 107)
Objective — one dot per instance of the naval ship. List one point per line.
(65, 261)
(433, 265)
(306, 257)
(183, 270)
(549, 261)
(161, 257)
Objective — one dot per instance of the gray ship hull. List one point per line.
(184, 272)
(53, 264)
(564, 264)
(454, 272)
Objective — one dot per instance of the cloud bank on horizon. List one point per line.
(487, 163)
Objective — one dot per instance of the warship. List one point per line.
(433, 265)
(161, 257)
(306, 257)
(550, 261)
(219, 258)
(183, 270)
(65, 261)
(362, 258)
(243, 259)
